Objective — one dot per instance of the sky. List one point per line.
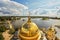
(11, 8)
(36, 7)
(44, 4)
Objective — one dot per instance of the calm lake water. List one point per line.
(40, 23)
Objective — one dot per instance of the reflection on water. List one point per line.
(40, 23)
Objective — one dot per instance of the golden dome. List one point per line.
(50, 33)
(29, 28)
(29, 31)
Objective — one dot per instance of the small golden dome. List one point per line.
(50, 33)
(29, 28)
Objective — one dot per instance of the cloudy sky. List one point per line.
(11, 8)
(34, 4)
(19, 7)
(42, 7)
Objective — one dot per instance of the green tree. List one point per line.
(2, 29)
(1, 36)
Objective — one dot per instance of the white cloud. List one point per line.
(11, 8)
(46, 12)
(52, 3)
(4, 0)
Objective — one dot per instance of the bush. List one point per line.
(1, 36)
(45, 18)
(2, 29)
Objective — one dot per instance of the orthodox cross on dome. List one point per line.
(29, 18)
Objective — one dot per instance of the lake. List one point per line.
(40, 23)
